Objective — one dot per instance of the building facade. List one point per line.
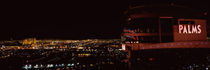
(161, 27)
(148, 25)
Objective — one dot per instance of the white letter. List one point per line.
(185, 29)
(180, 28)
(194, 29)
(199, 29)
(189, 31)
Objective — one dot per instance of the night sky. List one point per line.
(73, 19)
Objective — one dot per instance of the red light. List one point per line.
(151, 59)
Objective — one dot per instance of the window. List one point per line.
(187, 22)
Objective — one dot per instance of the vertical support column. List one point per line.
(159, 27)
(159, 19)
(129, 59)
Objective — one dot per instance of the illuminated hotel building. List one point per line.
(162, 27)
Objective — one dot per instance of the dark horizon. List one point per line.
(73, 20)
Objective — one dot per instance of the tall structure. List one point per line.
(161, 27)
(29, 41)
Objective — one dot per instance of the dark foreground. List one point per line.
(105, 59)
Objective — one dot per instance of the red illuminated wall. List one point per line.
(190, 36)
